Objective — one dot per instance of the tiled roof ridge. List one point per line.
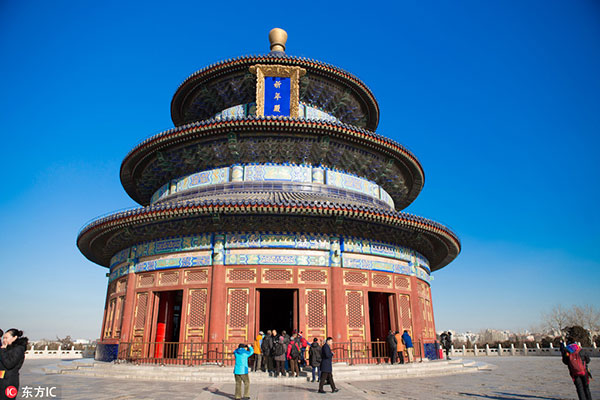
(211, 206)
(274, 120)
(278, 59)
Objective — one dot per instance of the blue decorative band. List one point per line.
(294, 249)
(274, 172)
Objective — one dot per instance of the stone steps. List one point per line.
(342, 372)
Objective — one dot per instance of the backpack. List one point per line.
(576, 364)
(294, 352)
(278, 349)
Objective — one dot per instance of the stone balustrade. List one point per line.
(531, 350)
(59, 353)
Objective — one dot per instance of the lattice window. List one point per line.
(109, 318)
(169, 278)
(405, 312)
(313, 276)
(278, 275)
(140, 313)
(111, 288)
(197, 276)
(355, 310)
(238, 307)
(119, 317)
(242, 274)
(380, 279)
(121, 285)
(355, 277)
(402, 282)
(146, 280)
(316, 308)
(423, 290)
(197, 316)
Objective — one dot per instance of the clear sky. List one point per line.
(500, 101)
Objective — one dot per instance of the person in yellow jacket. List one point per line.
(400, 349)
(257, 352)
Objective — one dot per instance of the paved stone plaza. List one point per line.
(527, 378)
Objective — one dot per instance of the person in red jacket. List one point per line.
(293, 354)
(577, 360)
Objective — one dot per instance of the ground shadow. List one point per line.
(217, 392)
(529, 396)
(513, 396)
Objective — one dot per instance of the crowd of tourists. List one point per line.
(284, 355)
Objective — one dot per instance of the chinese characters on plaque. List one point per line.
(277, 96)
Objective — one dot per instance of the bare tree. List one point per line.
(586, 316)
(556, 320)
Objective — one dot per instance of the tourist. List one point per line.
(326, 367)
(392, 346)
(266, 347)
(257, 352)
(286, 342)
(293, 354)
(12, 355)
(279, 356)
(407, 340)
(303, 345)
(314, 358)
(446, 339)
(286, 337)
(577, 360)
(400, 348)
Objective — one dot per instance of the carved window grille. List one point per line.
(197, 276)
(313, 276)
(278, 275)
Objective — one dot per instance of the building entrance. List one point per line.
(379, 315)
(277, 309)
(168, 321)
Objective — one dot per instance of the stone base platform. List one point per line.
(214, 374)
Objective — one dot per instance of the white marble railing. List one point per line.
(532, 350)
(60, 353)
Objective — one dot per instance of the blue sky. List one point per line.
(500, 101)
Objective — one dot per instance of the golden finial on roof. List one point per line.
(277, 37)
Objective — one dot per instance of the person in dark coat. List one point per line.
(314, 358)
(266, 346)
(326, 367)
(392, 346)
(279, 356)
(12, 355)
(446, 339)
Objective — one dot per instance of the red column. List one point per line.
(417, 312)
(218, 293)
(338, 305)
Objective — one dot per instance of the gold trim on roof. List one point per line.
(279, 71)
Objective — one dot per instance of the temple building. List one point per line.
(272, 203)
